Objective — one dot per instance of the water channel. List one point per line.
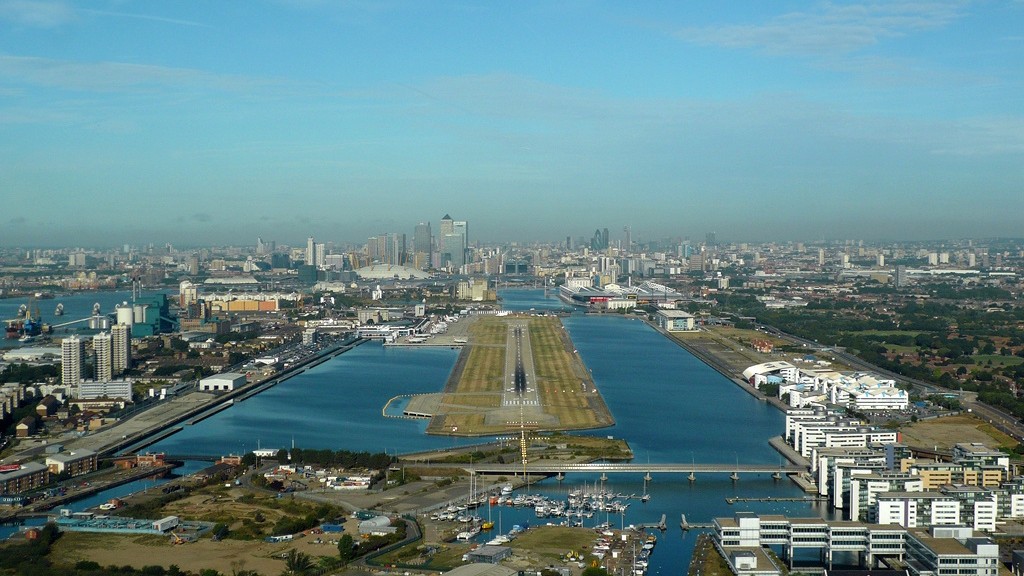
(668, 405)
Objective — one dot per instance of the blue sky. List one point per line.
(194, 122)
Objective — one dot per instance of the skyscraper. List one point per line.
(453, 253)
(310, 251)
(446, 228)
(320, 254)
(450, 245)
(421, 238)
(422, 244)
(121, 348)
(72, 357)
(102, 347)
(461, 227)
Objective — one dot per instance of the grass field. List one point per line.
(561, 376)
(566, 391)
(547, 544)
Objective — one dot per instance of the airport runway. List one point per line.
(520, 387)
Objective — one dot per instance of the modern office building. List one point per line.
(743, 540)
(422, 245)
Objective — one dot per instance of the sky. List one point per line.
(215, 122)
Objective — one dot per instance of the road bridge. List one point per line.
(631, 468)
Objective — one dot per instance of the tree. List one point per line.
(297, 562)
(346, 548)
(595, 571)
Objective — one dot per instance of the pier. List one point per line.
(735, 499)
(686, 525)
(655, 526)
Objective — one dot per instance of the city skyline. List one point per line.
(125, 122)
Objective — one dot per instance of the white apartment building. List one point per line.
(120, 348)
(915, 509)
(72, 360)
(865, 488)
(835, 467)
(93, 389)
(102, 347)
(808, 436)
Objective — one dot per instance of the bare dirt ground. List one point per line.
(946, 431)
(224, 556)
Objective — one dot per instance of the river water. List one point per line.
(77, 306)
(668, 405)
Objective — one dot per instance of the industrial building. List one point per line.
(675, 320)
(225, 382)
(146, 317)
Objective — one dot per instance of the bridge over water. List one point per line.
(584, 468)
(542, 467)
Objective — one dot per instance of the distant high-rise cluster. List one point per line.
(453, 242)
(388, 248)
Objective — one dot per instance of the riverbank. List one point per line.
(87, 486)
(723, 359)
(162, 419)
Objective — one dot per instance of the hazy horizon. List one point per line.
(206, 124)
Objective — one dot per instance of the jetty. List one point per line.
(654, 526)
(686, 526)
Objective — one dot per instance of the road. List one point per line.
(999, 418)
(853, 361)
(1003, 421)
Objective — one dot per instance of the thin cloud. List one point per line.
(829, 29)
(145, 17)
(36, 13)
(115, 76)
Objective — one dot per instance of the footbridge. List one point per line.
(541, 467)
